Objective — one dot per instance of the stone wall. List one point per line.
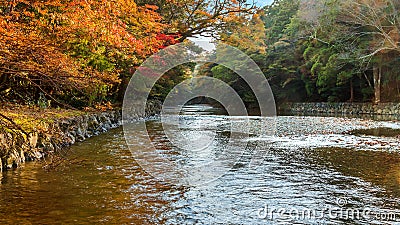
(342, 108)
(17, 147)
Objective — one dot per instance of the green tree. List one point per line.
(282, 59)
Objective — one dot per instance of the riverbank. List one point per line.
(30, 133)
(308, 164)
(342, 108)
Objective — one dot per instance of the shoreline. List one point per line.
(18, 146)
(342, 109)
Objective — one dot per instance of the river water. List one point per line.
(317, 170)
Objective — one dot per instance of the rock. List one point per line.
(92, 123)
(11, 161)
(33, 140)
(17, 148)
(343, 108)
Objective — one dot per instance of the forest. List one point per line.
(78, 54)
(325, 51)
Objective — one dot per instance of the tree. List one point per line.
(74, 51)
(378, 24)
(330, 52)
(248, 35)
(277, 18)
(31, 64)
(190, 18)
(282, 58)
(245, 34)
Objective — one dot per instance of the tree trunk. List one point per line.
(377, 70)
(351, 91)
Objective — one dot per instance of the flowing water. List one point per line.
(316, 170)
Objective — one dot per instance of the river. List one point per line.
(317, 170)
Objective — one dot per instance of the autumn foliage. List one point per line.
(73, 51)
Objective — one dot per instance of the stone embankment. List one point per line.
(17, 146)
(342, 108)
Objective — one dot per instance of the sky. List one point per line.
(263, 2)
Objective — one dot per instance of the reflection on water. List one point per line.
(380, 131)
(109, 187)
(381, 168)
(202, 109)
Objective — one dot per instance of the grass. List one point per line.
(31, 118)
